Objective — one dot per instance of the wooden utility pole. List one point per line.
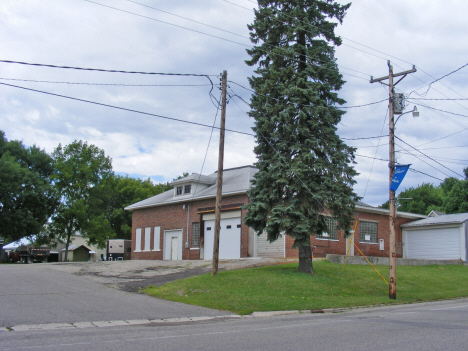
(219, 184)
(391, 165)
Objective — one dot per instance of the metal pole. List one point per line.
(391, 133)
(219, 185)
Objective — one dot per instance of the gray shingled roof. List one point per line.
(235, 181)
(200, 178)
(443, 219)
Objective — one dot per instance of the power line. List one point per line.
(108, 70)
(447, 136)
(448, 74)
(375, 155)
(126, 109)
(386, 54)
(372, 103)
(168, 23)
(443, 147)
(416, 171)
(428, 156)
(444, 159)
(251, 90)
(221, 38)
(353, 41)
(436, 109)
(438, 170)
(461, 99)
(107, 84)
(189, 19)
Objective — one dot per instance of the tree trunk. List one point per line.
(67, 245)
(305, 259)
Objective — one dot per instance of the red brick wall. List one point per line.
(324, 247)
(170, 217)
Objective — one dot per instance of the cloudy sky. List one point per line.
(206, 37)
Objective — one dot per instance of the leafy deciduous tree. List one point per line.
(27, 197)
(116, 192)
(456, 200)
(422, 199)
(80, 168)
(303, 165)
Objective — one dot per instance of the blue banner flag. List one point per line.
(398, 175)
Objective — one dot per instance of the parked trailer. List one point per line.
(28, 254)
(118, 249)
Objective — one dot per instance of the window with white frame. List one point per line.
(368, 232)
(195, 235)
(147, 238)
(157, 239)
(332, 229)
(187, 189)
(138, 240)
(179, 190)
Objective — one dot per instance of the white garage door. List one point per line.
(267, 249)
(435, 244)
(229, 239)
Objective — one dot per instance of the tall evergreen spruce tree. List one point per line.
(305, 170)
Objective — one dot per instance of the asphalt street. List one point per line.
(32, 294)
(428, 326)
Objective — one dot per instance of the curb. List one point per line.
(283, 313)
(117, 323)
(181, 320)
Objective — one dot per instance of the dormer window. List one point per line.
(187, 189)
(179, 190)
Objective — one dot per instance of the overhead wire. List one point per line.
(108, 70)
(207, 148)
(221, 38)
(376, 150)
(105, 84)
(126, 109)
(428, 156)
(251, 90)
(415, 170)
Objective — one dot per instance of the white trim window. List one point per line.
(157, 239)
(147, 238)
(187, 189)
(179, 190)
(138, 240)
(368, 232)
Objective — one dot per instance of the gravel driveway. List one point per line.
(133, 275)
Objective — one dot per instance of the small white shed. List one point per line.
(442, 237)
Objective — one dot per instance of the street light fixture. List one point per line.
(414, 111)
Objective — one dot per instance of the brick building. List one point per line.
(179, 224)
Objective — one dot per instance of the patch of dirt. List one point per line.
(134, 275)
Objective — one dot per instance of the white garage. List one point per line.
(436, 238)
(229, 236)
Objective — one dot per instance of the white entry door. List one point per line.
(173, 244)
(229, 239)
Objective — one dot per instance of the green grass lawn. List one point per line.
(282, 287)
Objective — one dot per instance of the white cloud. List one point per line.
(427, 34)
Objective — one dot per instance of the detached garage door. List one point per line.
(270, 250)
(229, 239)
(435, 244)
